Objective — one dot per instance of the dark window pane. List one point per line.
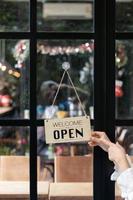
(48, 154)
(124, 15)
(124, 79)
(124, 135)
(14, 15)
(14, 161)
(14, 140)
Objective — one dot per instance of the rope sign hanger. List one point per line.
(66, 66)
(70, 129)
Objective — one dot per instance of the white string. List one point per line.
(58, 88)
(76, 93)
(66, 71)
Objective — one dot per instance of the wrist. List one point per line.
(122, 164)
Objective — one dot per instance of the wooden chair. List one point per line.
(16, 168)
(73, 168)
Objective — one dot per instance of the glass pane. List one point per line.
(124, 79)
(65, 15)
(52, 56)
(14, 162)
(124, 15)
(65, 163)
(14, 141)
(14, 79)
(14, 15)
(124, 135)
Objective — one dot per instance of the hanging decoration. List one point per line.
(69, 129)
(21, 52)
(60, 50)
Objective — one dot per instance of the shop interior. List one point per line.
(32, 61)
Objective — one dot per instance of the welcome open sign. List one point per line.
(73, 129)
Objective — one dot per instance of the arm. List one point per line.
(116, 154)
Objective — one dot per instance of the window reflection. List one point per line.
(124, 135)
(52, 55)
(14, 15)
(14, 154)
(49, 152)
(124, 15)
(14, 140)
(65, 15)
(14, 79)
(124, 79)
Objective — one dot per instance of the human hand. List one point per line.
(117, 154)
(99, 138)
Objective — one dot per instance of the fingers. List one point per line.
(99, 138)
(98, 134)
(92, 144)
(103, 143)
(93, 140)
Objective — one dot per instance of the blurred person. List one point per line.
(124, 135)
(48, 91)
(123, 170)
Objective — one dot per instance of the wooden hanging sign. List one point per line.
(72, 129)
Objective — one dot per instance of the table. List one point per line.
(20, 190)
(74, 191)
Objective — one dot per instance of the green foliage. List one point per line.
(4, 150)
